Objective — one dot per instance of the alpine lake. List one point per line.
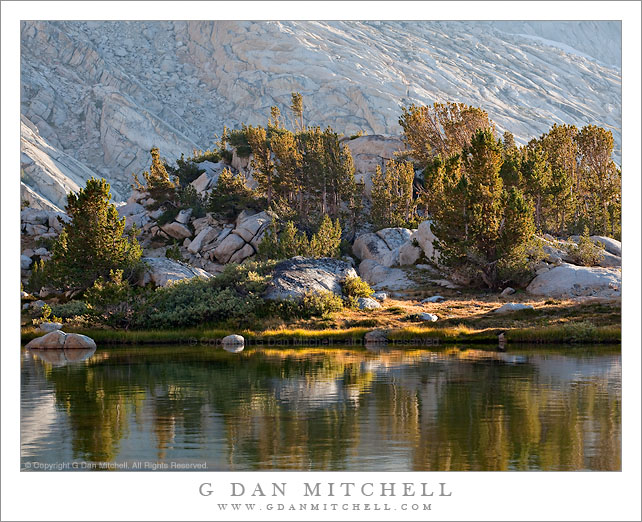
(350, 408)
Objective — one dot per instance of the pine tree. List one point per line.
(483, 229)
(94, 241)
(600, 177)
(392, 195)
(326, 241)
(536, 175)
(262, 162)
(440, 129)
(297, 110)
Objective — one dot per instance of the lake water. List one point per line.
(181, 407)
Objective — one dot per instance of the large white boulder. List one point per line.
(226, 248)
(409, 253)
(205, 236)
(382, 246)
(25, 262)
(382, 277)
(253, 226)
(162, 271)
(425, 239)
(512, 307)
(574, 281)
(176, 230)
(57, 340)
(295, 277)
(368, 303)
(209, 178)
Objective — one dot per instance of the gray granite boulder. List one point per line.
(574, 281)
(295, 277)
(367, 303)
(162, 271)
(512, 307)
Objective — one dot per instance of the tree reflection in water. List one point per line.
(342, 408)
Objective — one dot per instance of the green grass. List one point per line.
(580, 333)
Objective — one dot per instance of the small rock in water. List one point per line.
(233, 343)
(433, 299)
(424, 316)
(49, 327)
(367, 303)
(512, 307)
(507, 291)
(234, 339)
(380, 296)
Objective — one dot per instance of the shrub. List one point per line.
(38, 276)
(234, 295)
(70, 309)
(586, 253)
(292, 242)
(174, 252)
(187, 170)
(321, 304)
(356, 287)
(231, 194)
(46, 316)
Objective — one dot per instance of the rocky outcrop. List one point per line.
(243, 242)
(293, 278)
(612, 246)
(176, 230)
(207, 181)
(162, 271)
(425, 238)
(370, 152)
(575, 281)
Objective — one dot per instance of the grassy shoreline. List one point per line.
(572, 333)
(463, 319)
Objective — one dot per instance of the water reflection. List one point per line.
(351, 409)
(61, 357)
(233, 348)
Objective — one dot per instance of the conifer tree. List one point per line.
(262, 162)
(536, 174)
(440, 129)
(94, 241)
(392, 195)
(297, 110)
(483, 229)
(325, 242)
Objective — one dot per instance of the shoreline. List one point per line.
(412, 336)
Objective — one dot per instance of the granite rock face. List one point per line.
(96, 96)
